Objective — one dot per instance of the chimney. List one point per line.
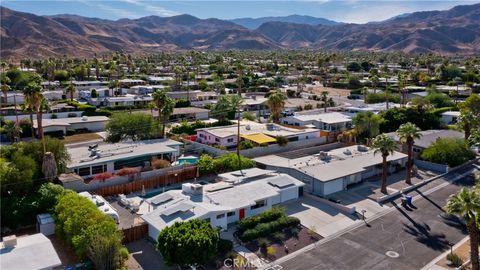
(10, 241)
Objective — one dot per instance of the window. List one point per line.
(258, 204)
(84, 171)
(230, 140)
(99, 169)
(217, 139)
(220, 216)
(229, 214)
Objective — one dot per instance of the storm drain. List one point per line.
(392, 254)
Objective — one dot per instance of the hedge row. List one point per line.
(265, 229)
(267, 216)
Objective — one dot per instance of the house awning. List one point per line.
(259, 138)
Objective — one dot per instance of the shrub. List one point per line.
(160, 164)
(282, 140)
(224, 246)
(188, 243)
(381, 97)
(103, 176)
(449, 151)
(246, 145)
(271, 251)
(70, 132)
(262, 243)
(53, 116)
(279, 236)
(454, 259)
(206, 164)
(251, 222)
(127, 171)
(70, 115)
(54, 134)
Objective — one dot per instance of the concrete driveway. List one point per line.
(359, 198)
(323, 219)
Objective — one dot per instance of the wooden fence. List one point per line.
(171, 177)
(135, 233)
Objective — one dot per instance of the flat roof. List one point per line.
(80, 156)
(31, 252)
(240, 175)
(71, 120)
(342, 162)
(189, 110)
(249, 128)
(430, 136)
(329, 118)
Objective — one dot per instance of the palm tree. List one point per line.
(367, 124)
(221, 108)
(33, 100)
(151, 105)
(466, 204)
(467, 121)
(49, 166)
(114, 85)
(324, 99)
(165, 106)
(5, 81)
(276, 103)
(385, 146)
(70, 90)
(407, 133)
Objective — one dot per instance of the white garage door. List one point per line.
(289, 194)
(332, 186)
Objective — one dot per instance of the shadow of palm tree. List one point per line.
(454, 221)
(423, 234)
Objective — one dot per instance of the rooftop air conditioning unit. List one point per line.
(347, 152)
(10, 241)
(323, 155)
(362, 148)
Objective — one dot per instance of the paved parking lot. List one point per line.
(325, 220)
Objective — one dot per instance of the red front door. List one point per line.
(241, 213)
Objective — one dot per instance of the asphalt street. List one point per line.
(411, 237)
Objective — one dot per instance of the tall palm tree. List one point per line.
(276, 103)
(407, 133)
(466, 204)
(70, 90)
(34, 100)
(385, 146)
(467, 121)
(5, 81)
(367, 124)
(324, 99)
(114, 85)
(165, 106)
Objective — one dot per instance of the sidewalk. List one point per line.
(433, 264)
(250, 256)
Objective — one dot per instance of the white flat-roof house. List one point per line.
(126, 100)
(88, 85)
(333, 121)
(30, 252)
(87, 161)
(90, 123)
(227, 135)
(222, 203)
(333, 171)
(450, 117)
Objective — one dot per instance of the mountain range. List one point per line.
(447, 32)
(253, 23)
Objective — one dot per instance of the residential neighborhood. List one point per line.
(199, 157)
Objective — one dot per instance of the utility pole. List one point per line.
(239, 92)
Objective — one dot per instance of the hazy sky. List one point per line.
(354, 11)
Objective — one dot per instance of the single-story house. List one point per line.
(450, 117)
(333, 171)
(90, 160)
(428, 137)
(259, 133)
(90, 123)
(332, 121)
(222, 203)
(28, 252)
(189, 114)
(88, 85)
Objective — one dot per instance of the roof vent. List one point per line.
(247, 127)
(362, 148)
(347, 152)
(10, 241)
